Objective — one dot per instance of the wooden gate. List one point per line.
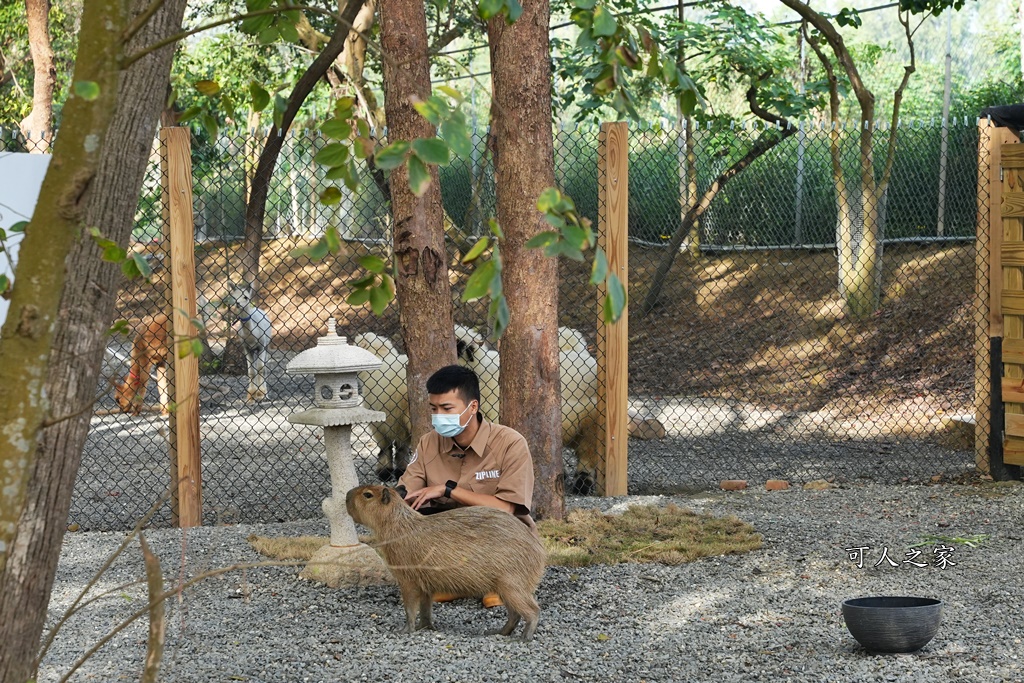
(999, 367)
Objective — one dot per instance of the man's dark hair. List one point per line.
(458, 378)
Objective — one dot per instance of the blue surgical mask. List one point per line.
(449, 425)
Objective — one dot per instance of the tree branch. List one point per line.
(131, 59)
(256, 208)
(864, 96)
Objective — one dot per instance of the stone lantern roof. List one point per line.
(333, 354)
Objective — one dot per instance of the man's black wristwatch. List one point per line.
(448, 486)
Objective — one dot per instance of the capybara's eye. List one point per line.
(367, 494)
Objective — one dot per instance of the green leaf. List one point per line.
(257, 5)
(5, 283)
(379, 299)
(352, 177)
(119, 327)
(190, 113)
(259, 98)
(358, 297)
(143, 265)
(18, 227)
(431, 151)
(541, 239)
(372, 263)
(288, 31)
(563, 248)
(584, 4)
(488, 9)
(604, 22)
(392, 156)
(479, 283)
(388, 285)
(419, 176)
(514, 11)
(337, 172)
(458, 138)
(87, 90)
(314, 253)
(268, 35)
(576, 236)
(492, 225)
(499, 314)
(208, 88)
(429, 110)
(333, 154)
(687, 102)
(333, 239)
(548, 199)
(330, 196)
(617, 296)
(451, 92)
(599, 271)
(210, 124)
(339, 129)
(478, 249)
(363, 282)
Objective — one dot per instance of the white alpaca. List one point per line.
(384, 389)
(577, 373)
(255, 331)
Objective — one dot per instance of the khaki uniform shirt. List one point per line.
(496, 463)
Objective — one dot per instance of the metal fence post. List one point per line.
(613, 339)
(185, 452)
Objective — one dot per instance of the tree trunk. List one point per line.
(524, 167)
(421, 263)
(259, 189)
(62, 306)
(39, 121)
(699, 205)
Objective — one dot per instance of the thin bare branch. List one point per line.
(157, 624)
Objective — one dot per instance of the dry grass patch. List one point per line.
(644, 533)
(288, 547)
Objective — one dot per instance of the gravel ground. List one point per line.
(773, 614)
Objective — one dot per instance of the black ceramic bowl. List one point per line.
(892, 624)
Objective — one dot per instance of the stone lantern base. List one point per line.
(354, 565)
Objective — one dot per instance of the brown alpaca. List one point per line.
(150, 351)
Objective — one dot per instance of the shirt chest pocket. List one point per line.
(486, 482)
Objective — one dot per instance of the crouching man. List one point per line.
(467, 460)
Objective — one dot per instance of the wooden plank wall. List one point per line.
(1010, 257)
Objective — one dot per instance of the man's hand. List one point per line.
(417, 498)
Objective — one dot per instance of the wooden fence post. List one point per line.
(186, 471)
(613, 339)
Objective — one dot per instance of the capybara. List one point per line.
(468, 551)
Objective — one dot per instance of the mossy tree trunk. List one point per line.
(523, 148)
(63, 305)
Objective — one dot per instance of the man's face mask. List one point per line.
(449, 425)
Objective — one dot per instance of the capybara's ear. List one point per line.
(385, 496)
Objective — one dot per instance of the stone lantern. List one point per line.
(335, 365)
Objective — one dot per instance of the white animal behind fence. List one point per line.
(255, 331)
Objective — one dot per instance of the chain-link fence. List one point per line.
(742, 361)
